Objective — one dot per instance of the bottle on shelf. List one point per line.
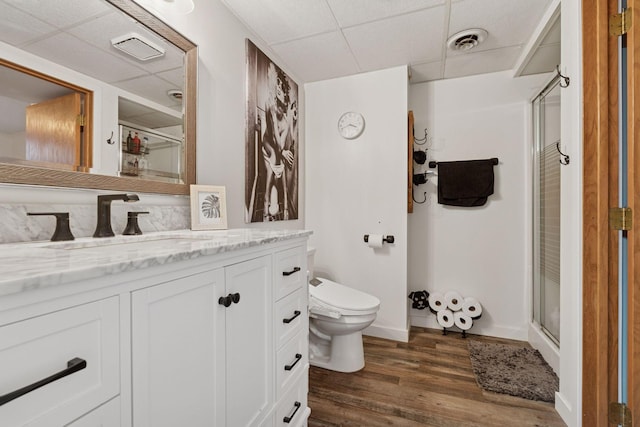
(129, 142)
(136, 144)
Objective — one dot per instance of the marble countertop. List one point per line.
(35, 265)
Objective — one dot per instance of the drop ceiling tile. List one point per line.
(101, 30)
(278, 21)
(320, 57)
(508, 22)
(175, 77)
(425, 72)
(18, 27)
(481, 62)
(149, 87)
(355, 12)
(544, 60)
(63, 12)
(73, 53)
(405, 39)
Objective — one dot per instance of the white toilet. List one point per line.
(337, 316)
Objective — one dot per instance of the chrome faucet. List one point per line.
(103, 228)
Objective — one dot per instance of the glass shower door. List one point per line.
(546, 210)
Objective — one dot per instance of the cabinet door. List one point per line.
(177, 343)
(249, 329)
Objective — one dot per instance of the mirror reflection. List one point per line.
(112, 75)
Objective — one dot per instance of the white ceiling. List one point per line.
(322, 39)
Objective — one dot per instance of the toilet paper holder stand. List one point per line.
(386, 239)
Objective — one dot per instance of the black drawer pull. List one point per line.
(73, 365)
(290, 367)
(289, 418)
(235, 298)
(289, 273)
(289, 320)
(226, 301)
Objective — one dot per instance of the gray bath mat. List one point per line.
(514, 370)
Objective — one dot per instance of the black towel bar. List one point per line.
(433, 164)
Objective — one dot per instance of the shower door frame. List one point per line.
(539, 127)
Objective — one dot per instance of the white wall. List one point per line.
(220, 115)
(357, 187)
(480, 252)
(221, 104)
(569, 399)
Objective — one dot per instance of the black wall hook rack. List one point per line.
(420, 141)
(565, 158)
(566, 79)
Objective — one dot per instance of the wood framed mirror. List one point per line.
(34, 173)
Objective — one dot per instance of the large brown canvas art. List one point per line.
(271, 141)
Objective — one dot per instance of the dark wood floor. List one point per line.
(425, 382)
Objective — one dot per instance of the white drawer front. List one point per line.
(38, 348)
(290, 362)
(107, 415)
(292, 408)
(290, 271)
(291, 316)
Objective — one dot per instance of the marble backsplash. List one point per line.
(165, 213)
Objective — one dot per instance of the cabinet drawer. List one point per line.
(36, 349)
(290, 362)
(290, 271)
(291, 316)
(107, 415)
(292, 408)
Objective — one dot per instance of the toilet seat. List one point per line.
(347, 301)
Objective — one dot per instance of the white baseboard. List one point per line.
(429, 321)
(545, 346)
(565, 411)
(387, 333)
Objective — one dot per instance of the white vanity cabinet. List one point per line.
(71, 354)
(291, 336)
(202, 351)
(177, 340)
(213, 340)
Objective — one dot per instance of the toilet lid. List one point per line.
(340, 296)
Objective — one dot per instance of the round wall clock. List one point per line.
(351, 125)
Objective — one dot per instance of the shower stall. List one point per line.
(547, 161)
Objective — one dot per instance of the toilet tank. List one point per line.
(311, 252)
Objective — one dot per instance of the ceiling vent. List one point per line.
(467, 39)
(137, 46)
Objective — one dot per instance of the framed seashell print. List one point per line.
(208, 207)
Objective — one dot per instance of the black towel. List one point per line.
(465, 183)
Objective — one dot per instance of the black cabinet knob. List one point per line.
(235, 297)
(226, 301)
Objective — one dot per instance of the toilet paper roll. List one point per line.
(462, 321)
(436, 302)
(454, 300)
(375, 240)
(471, 307)
(445, 318)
